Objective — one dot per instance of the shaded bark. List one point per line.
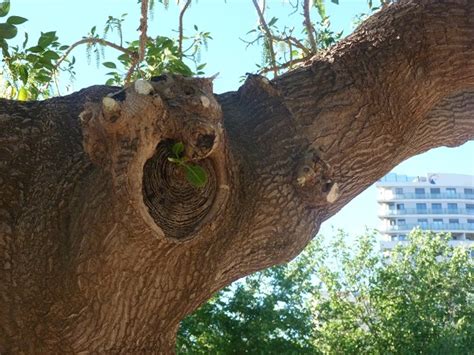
(104, 245)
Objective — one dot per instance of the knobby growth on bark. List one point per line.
(105, 246)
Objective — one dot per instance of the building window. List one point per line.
(436, 207)
(398, 191)
(438, 222)
(470, 223)
(451, 191)
(470, 208)
(421, 208)
(470, 236)
(402, 237)
(452, 208)
(422, 221)
(469, 191)
(400, 206)
(419, 191)
(401, 222)
(457, 236)
(435, 191)
(453, 221)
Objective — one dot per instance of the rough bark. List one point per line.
(104, 246)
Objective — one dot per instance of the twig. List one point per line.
(308, 25)
(130, 71)
(143, 28)
(100, 41)
(143, 39)
(268, 34)
(290, 40)
(284, 65)
(180, 38)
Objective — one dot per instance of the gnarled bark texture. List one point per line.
(104, 245)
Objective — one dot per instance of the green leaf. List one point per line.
(25, 41)
(47, 38)
(272, 21)
(4, 47)
(321, 7)
(22, 94)
(35, 49)
(43, 78)
(23, 73)
(7, 31)
(196, 175)
(177, 148)
(51, 55)
(16, 20)
(4, 8)
(110, 65)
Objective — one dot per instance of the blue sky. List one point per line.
(227, 54)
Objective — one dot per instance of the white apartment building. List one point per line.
(437, 202)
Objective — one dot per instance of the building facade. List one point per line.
(437, 202)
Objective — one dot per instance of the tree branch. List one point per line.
(376, 88)
(180, 38)
(357, 112)
(143, 29)
(268, 35)
(286, 65)
(450, 122)
(143, 39)
(100, 41)
(308, 25)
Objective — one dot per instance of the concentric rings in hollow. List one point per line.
(176, 206)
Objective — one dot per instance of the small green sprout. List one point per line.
(195, 174)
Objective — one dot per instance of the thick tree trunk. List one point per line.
(104, 245)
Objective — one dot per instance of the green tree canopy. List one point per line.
(337, 299)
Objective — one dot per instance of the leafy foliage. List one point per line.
(291, 44)
(336, 299)
(162, 55)
(28, 71)
(32, 72)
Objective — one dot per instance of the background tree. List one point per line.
(336, 298)
(105, 246)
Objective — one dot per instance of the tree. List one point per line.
(419, 300)
(106, 246)
(265, 313)
(340, 299)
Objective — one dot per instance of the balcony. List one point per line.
(454, 243)
(426, 196)
(428, 211)
(440, 227)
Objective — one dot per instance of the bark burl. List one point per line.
(104, 245)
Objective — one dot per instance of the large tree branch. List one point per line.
(375, 88)
(351, 112)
